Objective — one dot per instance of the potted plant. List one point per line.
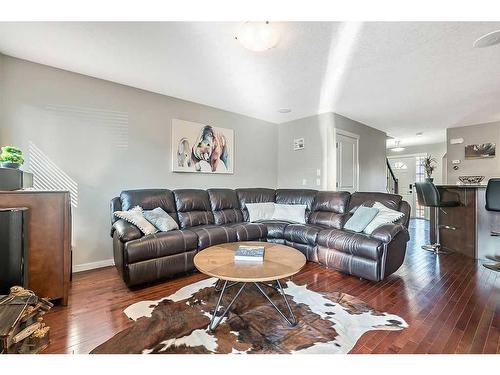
(429, 166)
(11, 157)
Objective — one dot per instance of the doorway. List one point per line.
(408, 169)
(347, 160)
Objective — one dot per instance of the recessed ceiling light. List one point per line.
(488, 40)
(284, 110)
(258, 36)
(419, 134)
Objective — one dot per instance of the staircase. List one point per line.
(392, 181)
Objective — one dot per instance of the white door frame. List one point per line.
(356, 137)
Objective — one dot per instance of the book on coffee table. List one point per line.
(249, 253)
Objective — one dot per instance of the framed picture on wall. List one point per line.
(201, 148)
(480, 151)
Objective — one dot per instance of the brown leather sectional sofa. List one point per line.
(214, 216)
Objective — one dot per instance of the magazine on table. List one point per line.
(249, 253)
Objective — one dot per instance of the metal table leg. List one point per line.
(291, 321)
(214, 323)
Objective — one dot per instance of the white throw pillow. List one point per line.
(135, 216)
(290, 212)
(385, 215)
(260, 211)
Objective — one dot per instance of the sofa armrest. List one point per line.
(126, 231)
(387, 232)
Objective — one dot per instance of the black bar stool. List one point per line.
(493, 204)
(429, 196)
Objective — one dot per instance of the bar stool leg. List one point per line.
(435, 247)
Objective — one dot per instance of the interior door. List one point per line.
(404, 169)
(347, 162)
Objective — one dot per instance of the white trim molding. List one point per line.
(93, 265)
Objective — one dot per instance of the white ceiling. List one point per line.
(402, 78)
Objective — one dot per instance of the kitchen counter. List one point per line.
(473, 224)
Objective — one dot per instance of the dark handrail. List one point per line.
(393, 177)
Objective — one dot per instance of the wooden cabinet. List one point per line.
(49, 239)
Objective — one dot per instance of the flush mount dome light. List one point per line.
(397, 148)
(488, 40)
(258, 36)
(284, 110)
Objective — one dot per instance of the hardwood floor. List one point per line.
(451, 303)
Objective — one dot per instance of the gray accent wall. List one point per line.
(97, 138)
(474, 134)
(299, 169)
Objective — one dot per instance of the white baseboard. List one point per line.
(93, 265)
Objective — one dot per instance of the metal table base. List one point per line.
(216, 320)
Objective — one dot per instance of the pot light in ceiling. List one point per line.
(258, 36)
(284, 110)
(419, 134)
(397, 148)
(488, 40)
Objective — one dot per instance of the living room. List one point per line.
(293, 186)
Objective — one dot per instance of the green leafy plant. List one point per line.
(429, 165)
(11, 154)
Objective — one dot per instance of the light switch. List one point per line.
(318, 182)
(455, 162)
(318, 172)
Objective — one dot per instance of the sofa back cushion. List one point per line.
(329, 208)
(193, 207)
(392, 201)
(225, 206)
(297, 196)
(149, 199)
(253, 195)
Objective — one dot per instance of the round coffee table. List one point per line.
(280, 261)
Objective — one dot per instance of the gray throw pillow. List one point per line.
(135, 216)
(361, 218)
(160, 219)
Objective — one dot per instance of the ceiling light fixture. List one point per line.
(419, 134)
(397, 148)
(284, 110)
(258, 36)
(488, 40)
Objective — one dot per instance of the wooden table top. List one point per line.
(280, 261)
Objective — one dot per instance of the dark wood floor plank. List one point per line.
(450, 302)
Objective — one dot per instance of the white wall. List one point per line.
(437, 150)
(297, 167)
(105, 137)
(474, 134)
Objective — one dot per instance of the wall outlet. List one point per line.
(304, 181)
(318, 182)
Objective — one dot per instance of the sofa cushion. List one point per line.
(275, 228)
(392, 201)
(160, 219)
(149, 199)
(159, 245)
(384, 216)
(297, 196)
(225, 206)
(125, 230)
(357, 244)
(254, 195)
(193, 207)
(250, 231)
(361, 218)
(329, 209)
(302, 233)
(209, 235)
(134, 216)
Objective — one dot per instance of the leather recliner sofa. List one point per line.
(215, 216)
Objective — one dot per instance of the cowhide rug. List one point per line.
(327, 323)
